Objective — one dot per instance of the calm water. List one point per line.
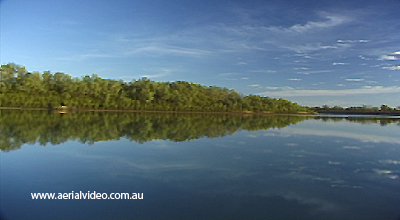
(200, 166)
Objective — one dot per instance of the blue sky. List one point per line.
(340, 52)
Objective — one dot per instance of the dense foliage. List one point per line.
(358, 109)
(20, 88)
(43, 127)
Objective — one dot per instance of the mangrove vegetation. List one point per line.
(22, 89)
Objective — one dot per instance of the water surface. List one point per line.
(191, 166)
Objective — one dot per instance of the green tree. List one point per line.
(20, 88)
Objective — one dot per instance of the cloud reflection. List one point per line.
(373, 138)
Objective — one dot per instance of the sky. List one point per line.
(342, 52)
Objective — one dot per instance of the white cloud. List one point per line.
(354, 80)
(328, 47)
(301, 68)
(353, 41)
(241, 63)
(315, 71)
(227, 74)
(331, 21)
(303, 49)
(153, 49)
(363, 57)
(343, 134)
(279, 88)
(343, 92)
(386, 57)
(85, 56)
(263, 71)
(391, 67)
(255, 85)
(303, 54)
(396, 53)
(272, 87)
(295, 79)
(155, 75)
(159, 72)
(339, 63)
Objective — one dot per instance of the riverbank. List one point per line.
(73, 110)
(318, 112)
(349, 112)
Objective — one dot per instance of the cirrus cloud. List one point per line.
(391, 67)
(331, 21)
(339, 63)
(386, 57)
(323, 92)
(354, 80)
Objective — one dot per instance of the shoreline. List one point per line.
(63, 110)
(69, 110)
(349, 112)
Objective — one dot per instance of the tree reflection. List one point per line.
(30, 127)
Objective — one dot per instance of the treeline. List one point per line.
(358, 109)
(43, 127)
(23, 89)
